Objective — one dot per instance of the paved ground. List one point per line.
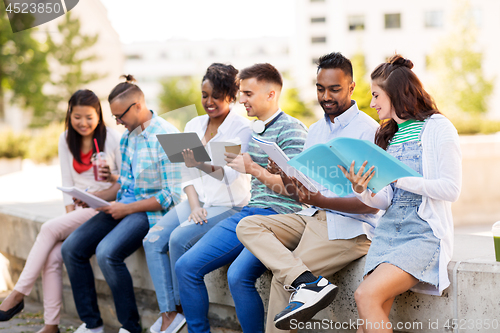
(31, 319)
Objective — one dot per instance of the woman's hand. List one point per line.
(104, 173)
(189, 159)
(242, 163)
(81, 203)
(198, 215)
(359, 180)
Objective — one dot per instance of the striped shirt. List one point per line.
(407, 131)
(153, 175)
(290, 135)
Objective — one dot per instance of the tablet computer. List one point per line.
(174, 143)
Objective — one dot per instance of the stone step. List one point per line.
(473, 299)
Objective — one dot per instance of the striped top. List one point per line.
(290, 135)
(407, 131)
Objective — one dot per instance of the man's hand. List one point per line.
(117, 210)
(242, 163)
(189, 159)
(304, 195)
(273, 168)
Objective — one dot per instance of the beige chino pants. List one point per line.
(289, 245)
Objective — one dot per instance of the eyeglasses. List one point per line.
(119, 118)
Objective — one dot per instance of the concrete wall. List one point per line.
(473, 295)
(480, 196)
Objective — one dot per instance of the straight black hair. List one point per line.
(335, 60)
(84, 97)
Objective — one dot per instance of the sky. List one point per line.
(159, 20)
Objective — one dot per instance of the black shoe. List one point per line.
(7, 315)
(307, 300)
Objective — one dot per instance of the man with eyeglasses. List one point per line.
(148, 186)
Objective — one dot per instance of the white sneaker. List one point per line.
(122, 330)
(176, 324)
(156, 327)
(83, 329)
(306, 301)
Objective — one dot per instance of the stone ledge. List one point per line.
(473, 295)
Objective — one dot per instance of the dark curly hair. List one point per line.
(223, 79)
(407, 95)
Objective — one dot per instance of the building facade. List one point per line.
(378, 29)
(151, 62)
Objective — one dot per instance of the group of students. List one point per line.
(249, 213)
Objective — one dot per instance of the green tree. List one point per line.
(362, 92)
(294, 106)
(23, 67)
(457, 66)
(177, 93)
(71, 53)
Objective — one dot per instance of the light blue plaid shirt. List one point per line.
(154, 175)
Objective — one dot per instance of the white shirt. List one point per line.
(353, 123)
(86, 180)
(439, 187)
(234, 189)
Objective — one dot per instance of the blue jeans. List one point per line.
(112, 241)
(175, 235)
(219, 247)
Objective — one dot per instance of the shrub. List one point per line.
(43, 146)
(13, 145)
(475, 125)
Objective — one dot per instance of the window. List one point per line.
(134, 56)
(318, 40)
(261, 51)
(477, 16)
(393, 21)
(434, 19)
(356, 22)
(318, 19)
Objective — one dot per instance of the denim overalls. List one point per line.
(402, 238)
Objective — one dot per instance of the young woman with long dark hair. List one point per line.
(84, 123)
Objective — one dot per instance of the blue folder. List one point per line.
(320, 161)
